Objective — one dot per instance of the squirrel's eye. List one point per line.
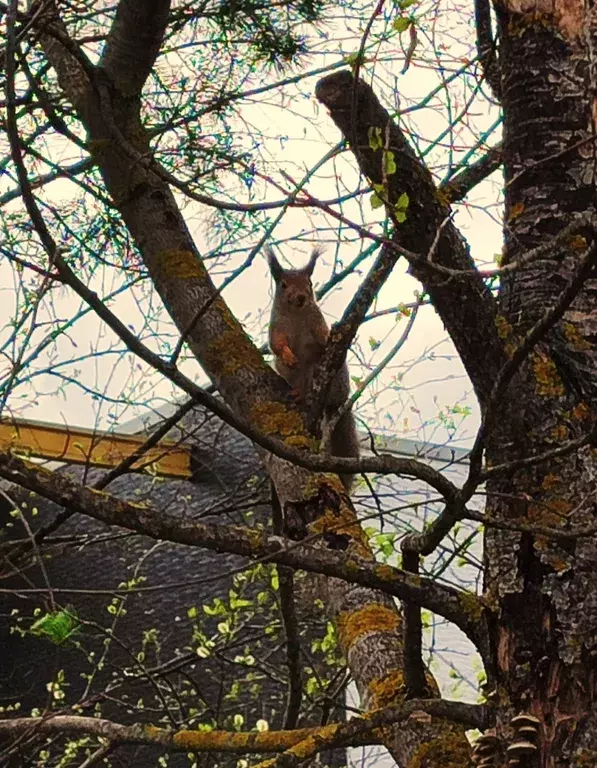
(283, 285)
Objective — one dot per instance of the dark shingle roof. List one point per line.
(83, 554)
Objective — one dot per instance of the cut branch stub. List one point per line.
(423, 223)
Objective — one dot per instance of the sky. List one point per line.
(414, 395)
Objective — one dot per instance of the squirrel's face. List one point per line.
(295, 290)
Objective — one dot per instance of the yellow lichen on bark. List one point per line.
(575, 338)
(548, 382)
(388, 690)
(227, 741)
(232, 351)
(343, 522)
(450, 750)
(386, 572)
(179, 264)
(353, 625)
(581, 412)
(274, 418)
(472, 605)
(559, 433)
(503, 327)
(539, 513)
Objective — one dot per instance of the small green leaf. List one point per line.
(353, 58)
(404, 4)
(374, 137)
(376, 201)
(374, 344)
(401, 24)
(389, 163)
(400, 217)
(402, 202)
(56, 626)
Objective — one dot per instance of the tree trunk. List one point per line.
(544, 591)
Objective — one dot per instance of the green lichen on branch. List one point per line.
(388, 690)
(472, 606)
(503, 327)
(179, 264)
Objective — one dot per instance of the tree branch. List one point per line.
(356, 731)
(134, 42)
(459, 186)
(72, 68)
(465, 305)
(487, 46)
(464, 609)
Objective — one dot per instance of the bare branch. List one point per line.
(71, 66)
(69, 172)
(459, 186)
(464, 609)
(289, 619)
(486, 46)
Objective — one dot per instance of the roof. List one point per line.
(86, 561)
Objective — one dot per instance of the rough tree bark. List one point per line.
(544, 593)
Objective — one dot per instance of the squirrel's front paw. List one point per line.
(288, 357)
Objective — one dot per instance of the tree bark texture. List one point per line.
(544, 593)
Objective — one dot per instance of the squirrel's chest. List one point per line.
(306, 346)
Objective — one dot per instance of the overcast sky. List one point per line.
(425, 378)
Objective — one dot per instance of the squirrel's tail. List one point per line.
(345, 442)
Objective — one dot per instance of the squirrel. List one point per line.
(298, 334)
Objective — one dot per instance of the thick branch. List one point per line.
(382, 463)
(464, 304)
(357, 731)
(60, 51)
(134, 42)
(138, 733)
(462, 608)
(354, 730)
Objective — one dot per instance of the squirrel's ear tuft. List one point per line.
(313, 260)
(274, 265)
